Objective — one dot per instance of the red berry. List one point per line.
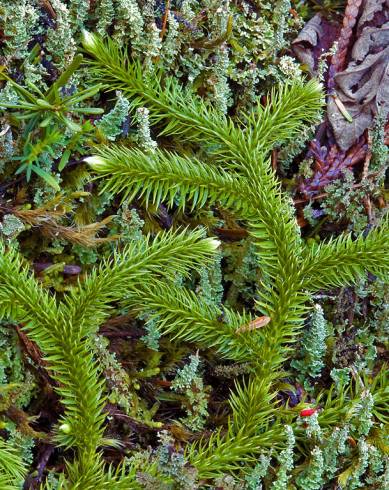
(307, 412)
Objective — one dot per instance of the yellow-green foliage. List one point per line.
(204, 159)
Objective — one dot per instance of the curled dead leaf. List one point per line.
(316, 38)
(258, 322)
(363, 87)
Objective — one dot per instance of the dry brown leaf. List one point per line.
(370, 9)
(315, 38)
(363, 87)
(259, 322)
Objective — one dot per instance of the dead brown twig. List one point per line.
(49, 8)
(349, 21)
(22, 421)
(165, 19)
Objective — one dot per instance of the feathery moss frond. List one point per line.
(245, 147)
(188, 116)
(12, 468)
(164, 175)
(343, 261)
(288, 271)
(62, 331)
(271, 219)
(181, 314)
(169, 254)
(66, 350)
(167, 177)
(248, 432)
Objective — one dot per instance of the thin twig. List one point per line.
(165, 18)
(368, 157)
(49, 8)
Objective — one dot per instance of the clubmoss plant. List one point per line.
(224, 163)
(237, 176)
(12, 469)
(63, 332)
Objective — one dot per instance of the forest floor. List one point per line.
(131, 252)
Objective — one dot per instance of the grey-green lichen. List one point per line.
(189, 382)
(11, 226)
(286, 463)
(63, 51)
(313, 345)
(111, 123)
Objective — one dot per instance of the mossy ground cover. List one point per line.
(194, 260)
